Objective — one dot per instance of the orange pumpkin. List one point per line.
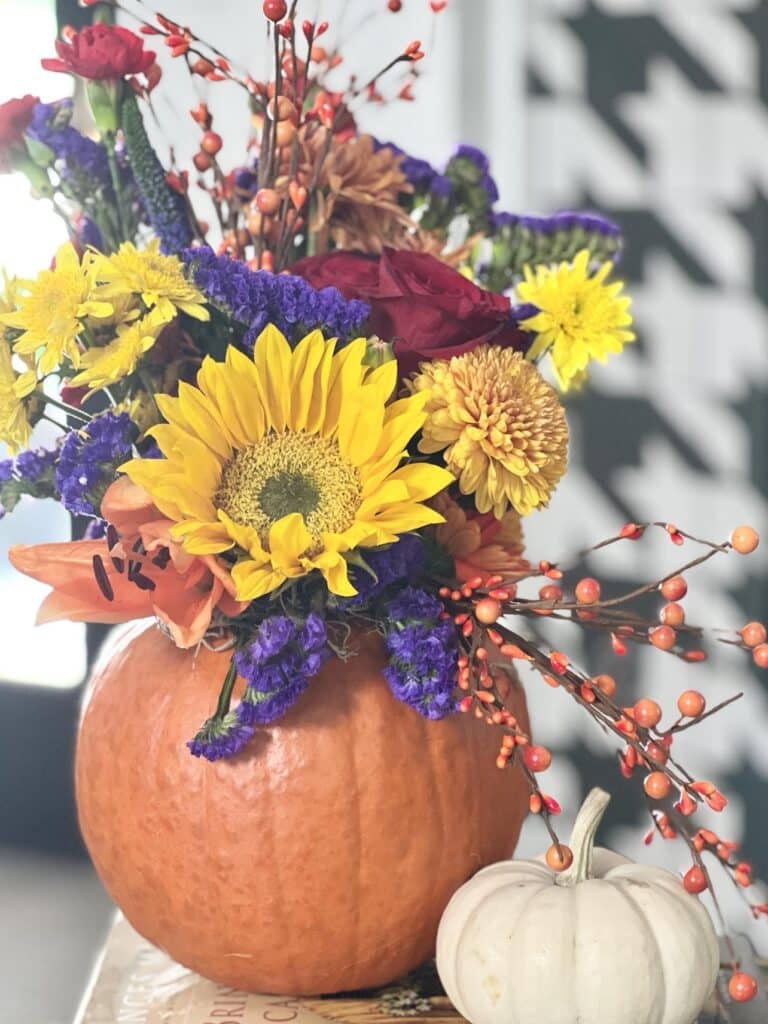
(318, 859)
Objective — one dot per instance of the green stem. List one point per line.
(583, 838)
(114, 174)
(70, 410)
(225, 696)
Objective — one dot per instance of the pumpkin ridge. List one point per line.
(642, 916)
(358, 844)
(438, 811)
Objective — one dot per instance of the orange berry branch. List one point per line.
(482, 610)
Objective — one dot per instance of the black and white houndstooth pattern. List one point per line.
(654, 111)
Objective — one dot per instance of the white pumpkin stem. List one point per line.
(583, 838)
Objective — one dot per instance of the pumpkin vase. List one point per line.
(318, 859)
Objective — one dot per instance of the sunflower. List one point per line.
(52, 311)
(580, 316)
(158, 279)
(500, 425)
(105, 365)
(15, 388)
(292, 458)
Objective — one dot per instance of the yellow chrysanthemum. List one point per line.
(15, 427)
(501, 425)
(581, 316)
(51, 312)
(106, 365)
(293, 457)
(157, 278)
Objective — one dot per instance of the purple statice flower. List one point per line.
(220, 737)
(6, 474)
(469, 170)
(474, 155)
(246, 180)
(488, 185)
(522, 311)
(418, 173)
(31, 465)
(277, 665)
(96, 529)
(423, 649)
(402, 560)
(88, 459)
(30, 473)
(566, 220)
(89, 235)
(256, 298)
(441, 187)
(75, 155)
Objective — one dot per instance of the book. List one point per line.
(133, 982)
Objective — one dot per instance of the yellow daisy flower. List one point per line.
(500, 425)
(581, 316)
(106, 365)
(293, 457)
(15, 426)
(157, 278)
(51, 312)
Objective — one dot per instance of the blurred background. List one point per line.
(653, 111)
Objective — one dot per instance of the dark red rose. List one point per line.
(102, 52)
(15, 116)
(426, 309)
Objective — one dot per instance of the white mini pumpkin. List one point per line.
(607, 941)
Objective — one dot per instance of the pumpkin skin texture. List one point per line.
(624, 945)
(320, 857)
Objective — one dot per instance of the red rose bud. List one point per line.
(101, 52)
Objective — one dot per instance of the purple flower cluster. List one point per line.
(278, 664)
(565, 220)
(220, 737)
(469, 167)
(75, 154)
(418, 173)
(88, 459)
(32, 465)
(405, 559)
(423, 649)
(256, 298)
(30, 472)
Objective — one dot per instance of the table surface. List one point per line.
(54, 917)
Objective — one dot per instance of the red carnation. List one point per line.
(100, 52)
(15, 116)
(424, 307)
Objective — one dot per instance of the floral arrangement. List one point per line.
(328, 412)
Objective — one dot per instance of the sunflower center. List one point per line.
(287, 473)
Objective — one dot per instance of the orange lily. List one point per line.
(142, 573)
